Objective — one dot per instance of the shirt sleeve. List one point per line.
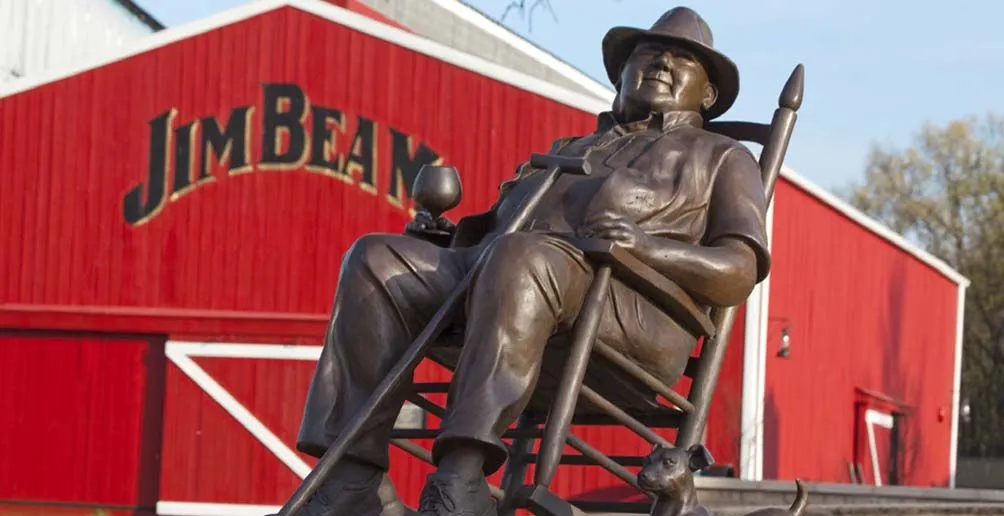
(738, 206)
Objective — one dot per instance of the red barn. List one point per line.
(175, 219)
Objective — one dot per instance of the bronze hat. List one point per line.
(684, 27)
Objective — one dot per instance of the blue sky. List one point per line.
(875, 70)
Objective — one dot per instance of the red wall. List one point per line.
(863, 315)
(248, 254)
(82, 418)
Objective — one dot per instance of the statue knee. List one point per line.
(519, 255)
(369, 252)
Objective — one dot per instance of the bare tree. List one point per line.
(521, 7)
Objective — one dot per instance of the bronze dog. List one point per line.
(668, 473)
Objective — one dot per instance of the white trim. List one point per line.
(750, 419)
(875, 418)
(479, 20)
(181, 353)
(764, 327)
(175, 352)
(238, 350)
(344, 17)
(872, 225)
(953, 456)
(754, 384)
(167, 508)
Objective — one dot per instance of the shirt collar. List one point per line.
(662, 122)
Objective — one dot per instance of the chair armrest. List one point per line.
(662, 291)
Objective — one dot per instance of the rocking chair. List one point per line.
(569, 400)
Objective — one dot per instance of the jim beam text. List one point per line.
(184, 157)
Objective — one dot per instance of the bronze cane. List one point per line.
(555, 166)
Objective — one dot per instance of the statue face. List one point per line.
(658, 78)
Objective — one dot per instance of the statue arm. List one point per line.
(721, 274)
(733, 257)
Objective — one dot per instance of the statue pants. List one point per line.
(530, 286)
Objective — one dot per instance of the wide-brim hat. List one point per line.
(680, 26)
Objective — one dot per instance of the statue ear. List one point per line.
(700, 457)
(657, 447)
(710, 96)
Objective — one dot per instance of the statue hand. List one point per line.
(611, 227)
(423, 224)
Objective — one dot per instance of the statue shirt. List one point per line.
(667, 174)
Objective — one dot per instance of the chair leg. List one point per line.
(705, 380)
(516, 466)
(560, 418)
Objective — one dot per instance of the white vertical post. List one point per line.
(755, 374)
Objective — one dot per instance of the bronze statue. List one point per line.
(687, 202)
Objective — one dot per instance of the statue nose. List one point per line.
(661, 63)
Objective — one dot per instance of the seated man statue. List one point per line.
(687, 202)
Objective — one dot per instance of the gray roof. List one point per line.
(460, 26)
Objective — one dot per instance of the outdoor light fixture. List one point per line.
(785, 350)
(965, 411)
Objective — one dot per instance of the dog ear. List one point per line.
(700, 457)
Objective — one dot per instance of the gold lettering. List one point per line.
(362, 158)
(134, 210)
(198, 151)
(185, 160)
(325, 158)
(221, 142)
(286, 110)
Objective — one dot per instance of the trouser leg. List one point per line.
(529, 286)
(388, 289)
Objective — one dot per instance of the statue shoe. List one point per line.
(452, 495)
(391, 504)
(356, 489)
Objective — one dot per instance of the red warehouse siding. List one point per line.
(862, 314)
(81, 419)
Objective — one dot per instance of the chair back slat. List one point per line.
(774, 138)
(741, 131)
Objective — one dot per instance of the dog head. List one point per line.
(669, 470)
